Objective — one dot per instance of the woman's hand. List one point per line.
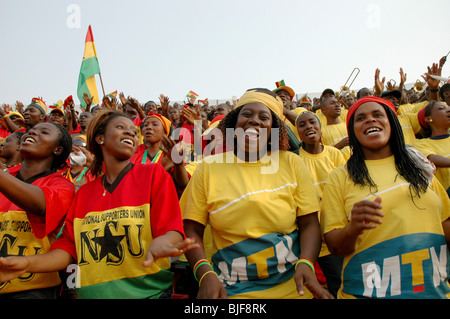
(211, 288)
(304, 277)
(379, 85)
(170, 244)
(12, 267)
(366, 215)
(87, 99)
(173, 153)
(433, 70)
(191, 115)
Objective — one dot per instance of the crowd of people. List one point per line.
(343, 196)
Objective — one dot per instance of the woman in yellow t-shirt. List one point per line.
(389, 221)
(435, 122)
(320, 160)
(259, 200)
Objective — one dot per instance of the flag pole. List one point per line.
(101, 81)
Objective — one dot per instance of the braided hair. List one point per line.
(405, 165)
(65, 141)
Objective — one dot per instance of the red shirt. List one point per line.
(23, 233)
(76, 130)
(144, 184)
(141, 151)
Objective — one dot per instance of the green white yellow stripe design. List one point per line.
(89, 67)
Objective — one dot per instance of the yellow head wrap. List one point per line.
(164, 120)
(274, 103)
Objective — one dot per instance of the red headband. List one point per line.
(421, 118)
(367, 99)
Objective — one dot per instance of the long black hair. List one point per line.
(405, 165)
(65, 142)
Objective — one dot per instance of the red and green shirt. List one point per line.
(109, 232)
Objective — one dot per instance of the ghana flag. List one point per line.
(191, 94)
(280, 83)
(89, 67)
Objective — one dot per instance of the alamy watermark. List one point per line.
(373, 20)
(73, 20)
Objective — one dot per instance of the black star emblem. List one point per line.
(110, 246)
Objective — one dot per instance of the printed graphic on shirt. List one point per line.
(257, 263)
(17, 239)
(409, 266)
(115, 237)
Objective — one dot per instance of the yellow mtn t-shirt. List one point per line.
(429, 146)
(411, 108)
(320, 166)
(404, 257)
(410, 126)
(323, 118)
(333, 134)
(252, 208)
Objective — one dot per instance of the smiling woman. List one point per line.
(435, 121)
(320, 160)
(112, 214)
(264, 227)
(38, 197)
(381, 208)
(253, 120)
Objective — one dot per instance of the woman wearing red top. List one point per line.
(10, 153)
(155, 126)
(158, 149)
(33, 203)
(120, 247)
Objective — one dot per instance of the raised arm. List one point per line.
(28, 197)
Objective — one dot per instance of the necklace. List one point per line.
(111, 187)
(103, 184)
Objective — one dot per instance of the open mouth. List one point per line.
(310, 133)
(29, 139)
(127, 141)
(372, 130)
(252, 133)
